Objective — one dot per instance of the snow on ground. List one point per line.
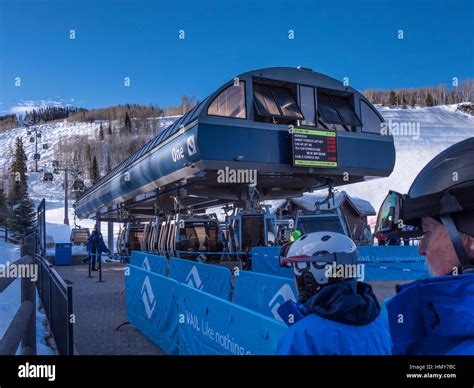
(10, 301)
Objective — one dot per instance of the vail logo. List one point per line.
(148, 297)
(146, 264)
(193, 279)
(191, 145)
(284, 294)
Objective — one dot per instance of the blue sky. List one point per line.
(139, 39)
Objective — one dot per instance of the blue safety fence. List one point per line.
(380, 263)
(149, 262)
(267, 260)
(263, 293)
(212, 326)
(209, 278)
(152, 308)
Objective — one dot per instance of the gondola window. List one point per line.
(372, 121)
(230, 102)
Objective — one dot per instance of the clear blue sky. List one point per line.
(139, 39)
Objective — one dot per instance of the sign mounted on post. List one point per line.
(314, 148)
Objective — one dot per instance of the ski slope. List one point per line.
(53, 192)
(440, 127)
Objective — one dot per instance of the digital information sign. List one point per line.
(314, 148)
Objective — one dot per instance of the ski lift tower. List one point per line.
(65, 166)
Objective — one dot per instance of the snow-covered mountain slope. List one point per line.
(426, 132)
(439, 127)
(52, 191)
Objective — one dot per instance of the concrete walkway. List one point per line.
(99, 308)
(386, 289)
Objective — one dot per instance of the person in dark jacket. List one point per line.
(435, 316)
(336, 314)
(96, 246)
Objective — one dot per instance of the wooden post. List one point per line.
(28, 294)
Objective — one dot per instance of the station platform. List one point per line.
(99, 309)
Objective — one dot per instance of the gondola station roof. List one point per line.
(296, 129)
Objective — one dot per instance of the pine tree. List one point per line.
(88, 157)
(128, 123)
(110, 129)
(453, 97)
(108, 167)
(101, 133)
(3, 208)
(392, 99)
(429, 100)
(21, 215)
(404, 102)
(95, 175)
(413, 102)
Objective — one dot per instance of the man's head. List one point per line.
(438, 248)
(440, 206)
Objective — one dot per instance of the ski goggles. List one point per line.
(390, 220)
(299, 264)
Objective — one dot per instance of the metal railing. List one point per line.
(22, 328)
(55, 294)
(56, 298)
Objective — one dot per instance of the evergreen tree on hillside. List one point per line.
(453, 97)
(3, 208)
(88, 158)
(392, 99)
(21, 214)
(128, 123)
(110, 129)
(429, 100)
(101, 133)
(95, 175)
(404, 102)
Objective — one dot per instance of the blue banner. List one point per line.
(149, 262)
(389, 253)
(267, 260)
(380, 263)
(209, 278)
(263, 293)
(212, 326)
(151, 301)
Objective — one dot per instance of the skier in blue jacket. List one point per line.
(436, 316)
(336, 313)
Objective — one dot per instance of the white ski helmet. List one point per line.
(313, 254)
